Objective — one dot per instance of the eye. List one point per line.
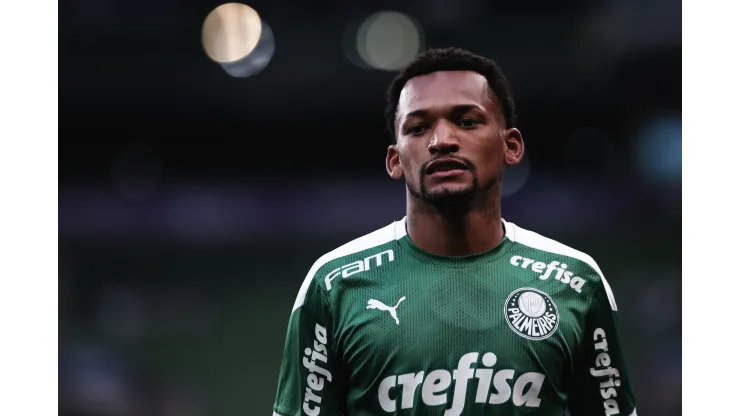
(469, 123)
(416, 130)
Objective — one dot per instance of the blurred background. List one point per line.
(207, 159)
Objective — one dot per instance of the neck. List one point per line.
(447, 233)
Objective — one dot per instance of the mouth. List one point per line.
(446, 167)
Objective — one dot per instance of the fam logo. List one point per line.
(532, 313)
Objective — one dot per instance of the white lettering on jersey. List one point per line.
(546, 270)
(603, 369)
(358, 266)
(317, 374)
(376, 304)
(434, 386)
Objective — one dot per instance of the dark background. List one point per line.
(192, 202)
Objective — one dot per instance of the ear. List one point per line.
(393, 163)
(513, 147)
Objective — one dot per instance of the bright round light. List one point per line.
(231, 32)
(389, 40)
(257, 60)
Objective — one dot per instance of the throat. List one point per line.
(471, 233)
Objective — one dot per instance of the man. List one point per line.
(453, 310)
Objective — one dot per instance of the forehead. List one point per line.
(443, 89)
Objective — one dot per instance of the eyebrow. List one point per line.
(456, 109)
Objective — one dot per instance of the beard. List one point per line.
(457, 197)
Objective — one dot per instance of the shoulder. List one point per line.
(578, 261)
(373, 246)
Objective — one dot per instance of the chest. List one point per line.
(425, 319)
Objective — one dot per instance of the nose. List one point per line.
(444, 140)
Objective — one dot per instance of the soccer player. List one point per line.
(452, 310)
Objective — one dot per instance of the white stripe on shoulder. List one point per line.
(534, 240)
(634, 412)
(274, 413)
(393, 231)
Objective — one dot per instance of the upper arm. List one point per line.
(601, 383)
(307, 382)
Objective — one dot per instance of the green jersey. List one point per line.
(380, 326)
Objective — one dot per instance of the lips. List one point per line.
(446, 164)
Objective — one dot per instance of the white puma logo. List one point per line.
(376, 304)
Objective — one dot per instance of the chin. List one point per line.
(447, 194)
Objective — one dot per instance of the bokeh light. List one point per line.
(658, 150)
(236, 37)
(255, 61)
(389, 40)
(231, 32)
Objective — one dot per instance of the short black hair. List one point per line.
(451, 59)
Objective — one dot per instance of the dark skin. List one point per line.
(451, 148)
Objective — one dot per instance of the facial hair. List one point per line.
(472, 197)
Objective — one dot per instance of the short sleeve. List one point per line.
(308, 380)
(601, 383)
